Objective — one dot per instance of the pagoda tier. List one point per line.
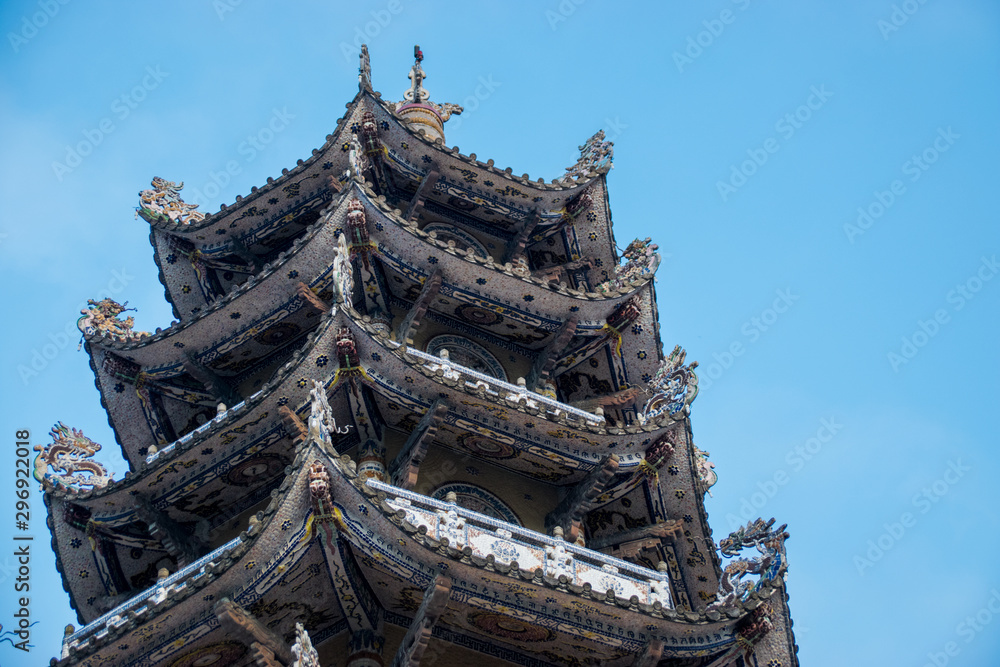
(185, 499)
(402, 374)
(562, 230)
(358, 562)
(160, 387)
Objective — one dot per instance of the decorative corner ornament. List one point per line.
(596, 154)
(768, 566)
(641, 261)
(67, 460)
(365, 70)
(101, 318)
(163, 203)
(674, 387)
(322, 423)
(305, 654)
(705, 469)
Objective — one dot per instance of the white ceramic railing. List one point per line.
(508, 542)
(499, 388)
(186, 438)
(161, 587)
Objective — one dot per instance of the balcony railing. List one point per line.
(508, 542)
(188, 437)
(157, 592)
(498, 389)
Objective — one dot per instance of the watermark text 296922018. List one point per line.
(22, 542)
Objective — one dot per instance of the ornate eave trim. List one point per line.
(108, 342)
(396, 216)
(561, 184)
(272, 183)
(232, 417)
(211, 573)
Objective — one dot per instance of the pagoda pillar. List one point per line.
(360, 245)
(367, 421)
(371, 450)
(364, 648)
(417, 203)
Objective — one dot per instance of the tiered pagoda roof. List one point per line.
(411, 404)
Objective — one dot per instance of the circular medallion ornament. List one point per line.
(487, 447)
(468, 353)
(463, 240)
(478, 316)
(215, 655)
(278, 334)
(462, 204)
(478, 499)
(256, 469)
(509, 628)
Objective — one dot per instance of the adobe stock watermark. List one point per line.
(752, 329)
(122, 107)
(563, 11)
(381, 18)
(483, 91)
(41, 357)
(923, 502)
(795, 459)
(914, 168)
(30, 25)
(248, 149)
(968, 630)
(786, 127)
(223, 7)
(899, 17)
(697, 43)
(957, 297)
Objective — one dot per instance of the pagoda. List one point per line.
(414, 410)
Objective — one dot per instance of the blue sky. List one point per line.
(747, 138)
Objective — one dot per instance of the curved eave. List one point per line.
(283, 384)
(217, 311)
(225, 214)
(603, 438)
(224, 574)
(347, 489)
(561, 184)
(465, 261)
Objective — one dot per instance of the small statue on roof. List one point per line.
(674, 386)
(596, 154)
(164, 201)
(101, 317)
(68, 459)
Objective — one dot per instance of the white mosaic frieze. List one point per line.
(532, 550)
(498, 389)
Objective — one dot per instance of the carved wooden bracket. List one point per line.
(239, 623)
(408, 327)
(404, 469)
(412, 648)
(579, 500)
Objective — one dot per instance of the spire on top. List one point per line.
(417, 110)
(417, 93)
(365, 70)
